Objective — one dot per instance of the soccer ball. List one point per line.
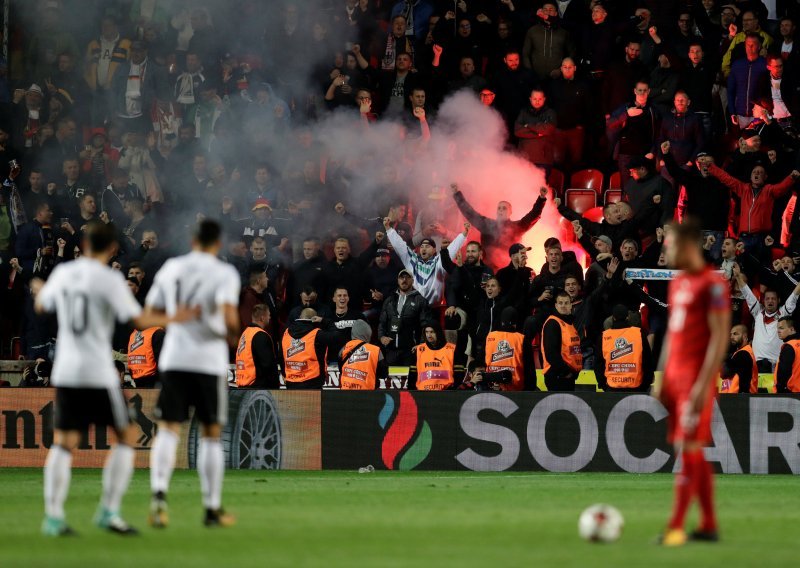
(600, 523)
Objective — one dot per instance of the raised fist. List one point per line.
(665, 146)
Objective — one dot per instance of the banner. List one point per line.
(555, 432)
(265, 430)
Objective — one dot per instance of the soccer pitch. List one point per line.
(402, 519)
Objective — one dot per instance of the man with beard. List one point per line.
(501, 232)
(739, 371)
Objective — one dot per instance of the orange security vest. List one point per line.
(731, 386)
(245, 365)
(141, 357)
(504, 353)
(570, 346)
(794, 381)
(360, 370)
(435, 367)
(300, 357)
(622, 352)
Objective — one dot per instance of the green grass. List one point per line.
(402, 519)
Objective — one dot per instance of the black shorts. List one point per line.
(182, 390)
(78, 407)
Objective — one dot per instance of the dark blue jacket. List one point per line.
(29, 240)
(744, 85)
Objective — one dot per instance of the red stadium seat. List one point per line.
(612, 196)
(595, 214)
(580, 200)
(615, 181)
(587, 179)
(556, 181)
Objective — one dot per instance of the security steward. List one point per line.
(435, 369)
(625, 362)
(144, 347)
(256, 364)
(561, 347)
(304, 348)
(739, 372)
(361, 364)
(787, 372)
(505, 352)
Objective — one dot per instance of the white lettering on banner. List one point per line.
(615, 434)
(589, 433)
(475, 428)
(762, 439)
(654, 273)
(722, 450)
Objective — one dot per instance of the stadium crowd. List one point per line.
(151, 115)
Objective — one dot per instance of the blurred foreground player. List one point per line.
(88, 297)
(193, 367)
(696, 343)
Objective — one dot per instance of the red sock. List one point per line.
(705, 494)
(685, 487)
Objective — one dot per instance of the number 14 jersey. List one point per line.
(195, 279)
(87, 297)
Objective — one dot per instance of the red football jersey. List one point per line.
(691, 298)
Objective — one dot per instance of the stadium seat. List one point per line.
(587, 179)
(612, 196)
(615, 181)
(595, 214)
(580, 200)
(556, 181)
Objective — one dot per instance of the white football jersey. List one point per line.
(87, 297)
(195, 279)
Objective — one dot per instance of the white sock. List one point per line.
(162, 459)
(211, 467)
(116, 476)
(57, 475)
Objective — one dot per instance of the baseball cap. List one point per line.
(516, 247)
(382, 252)
(405, 271)
(428, 242)
(34, 88)
(605, 239)
(261, 203)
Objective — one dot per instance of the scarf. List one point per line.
(184, 88)
(15, 206)
(390, 53)
(408, 14)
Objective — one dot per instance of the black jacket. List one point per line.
(415, 312)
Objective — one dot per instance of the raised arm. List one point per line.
(479, 221)
(533, 216)
(400, 247)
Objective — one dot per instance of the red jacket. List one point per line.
(756, 210)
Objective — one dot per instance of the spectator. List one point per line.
(756, 202)
(134, 90)
(343, 318)
(683, 130)
(570, 99)
(622, 77)
(697, 80)
(401, 319)
(425, 266)
(645, 187)
(632, 129)
(467, 282)
(501, 232)
(743, 81)
(766, 343)
(104, 56)
(515, 279)
(751, 29)
(707, 199)
(546, 43)
(535, 128)
(512, 86)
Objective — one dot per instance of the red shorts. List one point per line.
(678, 429)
